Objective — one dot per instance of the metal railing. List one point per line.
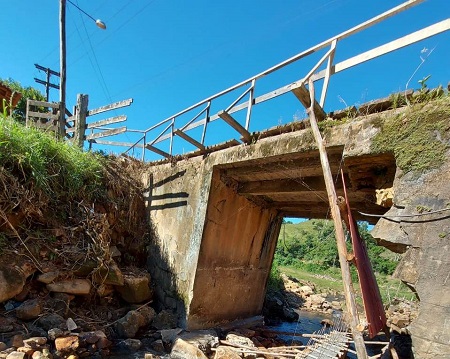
(172, 126)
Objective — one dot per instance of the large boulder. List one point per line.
(426, 261)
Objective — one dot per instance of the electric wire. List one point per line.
(105, 86)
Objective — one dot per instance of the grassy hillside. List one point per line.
(307, 251)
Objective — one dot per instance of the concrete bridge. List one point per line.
(217, 217)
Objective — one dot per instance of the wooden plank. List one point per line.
(80, 119)
(109, 107)
(388, 47)
(158, 151)
(106, 133)
(404, 6)
(189, 139)
(339, 232)
(46, 115)
(302, 94)
(117, 143)
(383, 104)
(350, 111)
(107, 121)
(236, 125)
(315, 183)
(43, 103)
(328, 74)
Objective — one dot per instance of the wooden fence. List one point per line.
(45, 116)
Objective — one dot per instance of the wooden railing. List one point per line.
(169, 128)
(46, 116)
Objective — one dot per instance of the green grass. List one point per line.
(330, 281)
(55, 167)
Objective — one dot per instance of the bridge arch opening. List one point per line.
(246, 206)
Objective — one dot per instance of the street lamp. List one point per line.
(62, 57)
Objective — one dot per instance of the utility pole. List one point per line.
(62, 54)
(340, 237)
(49, 72)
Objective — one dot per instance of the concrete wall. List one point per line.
(236, 252)
(195, 215)
(177, 202)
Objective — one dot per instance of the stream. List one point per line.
(309, 322)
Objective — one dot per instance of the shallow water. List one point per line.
(309, 322)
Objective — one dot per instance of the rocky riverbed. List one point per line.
(57, 317)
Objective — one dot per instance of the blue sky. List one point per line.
(168, 55)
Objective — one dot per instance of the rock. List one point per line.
(169, 335)
(74, 286)
(55, 333)
(71, 325)
(165, 320)
(3, 346)
(239, 340)
(35, 342)
(135, 289)
(183, 350)
(16, 355)
(17, 340)
(67, 344)
(158, 345)
(52, 321)
(48, 277)
(110, 274)
(92, 337)
(316, 299)
(27, 350)
(289, 314)
(149, 356)
(30, 309)
(127, 326)
(306, 290)
(46, 353)
(132, 345)
(103, 343)
(148, 313)
(6, 325)
(38, 355)
(12, 281)
(223, 352)
(24, 293)
(202, 339)
(72, 356)
(336, 305)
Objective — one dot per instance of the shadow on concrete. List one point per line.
(151, 198)
(158, 264)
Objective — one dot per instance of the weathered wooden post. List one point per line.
(340, 236)
(81, 110)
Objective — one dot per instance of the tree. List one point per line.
(29, 92)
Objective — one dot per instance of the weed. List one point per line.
(57, 168)
(419, 138)
(422, 209)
